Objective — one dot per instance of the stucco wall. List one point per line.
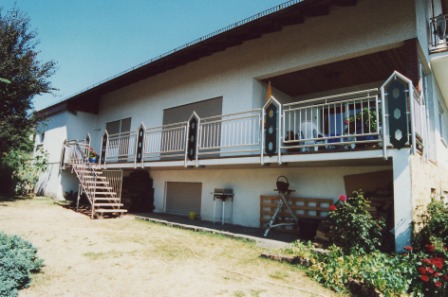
(429, 180)
(249, 184)
(58, 128)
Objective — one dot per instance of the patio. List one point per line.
(274, 239)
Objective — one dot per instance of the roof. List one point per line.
(271, 20)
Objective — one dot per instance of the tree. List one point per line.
(23, 76)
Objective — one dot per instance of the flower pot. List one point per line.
(192, 215)
(92, 160)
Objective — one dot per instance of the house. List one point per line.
(335, 95)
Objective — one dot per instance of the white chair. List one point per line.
(309, 136)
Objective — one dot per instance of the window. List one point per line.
(119, 145)
(119, 126)
(204, 109)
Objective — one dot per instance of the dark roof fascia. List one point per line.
(272, 20)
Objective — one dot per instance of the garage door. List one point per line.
(182, 197)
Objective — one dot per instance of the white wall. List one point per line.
(58, 128)
(249, 184)
(345, 33)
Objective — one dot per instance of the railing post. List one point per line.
(187, 142)
(104, 145)
(140, 142)
(411, 99)
(396, 88)
(271, 142)
(193, 137)
(383, 118)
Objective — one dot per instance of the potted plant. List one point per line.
(93, 156)
(364, 122)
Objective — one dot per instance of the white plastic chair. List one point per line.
(309, 136)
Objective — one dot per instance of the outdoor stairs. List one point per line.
(99, 192)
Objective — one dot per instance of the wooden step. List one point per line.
(100, 187)
(92, 176)
(98, 182)
(106, 199)
(109, 204)
(90, 171)
(104, 193)
(102, 210)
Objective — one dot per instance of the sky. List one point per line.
(93, 40)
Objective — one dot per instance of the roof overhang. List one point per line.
(272, 20)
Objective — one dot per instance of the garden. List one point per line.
(359, 263)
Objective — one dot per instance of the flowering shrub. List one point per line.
(430, 272)
(92, 153)
(361, 274)
(352, 226)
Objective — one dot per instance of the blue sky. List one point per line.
(92, 40)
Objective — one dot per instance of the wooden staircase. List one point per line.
(103, 196)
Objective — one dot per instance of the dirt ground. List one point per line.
(128, 257)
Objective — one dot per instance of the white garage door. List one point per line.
(182, 197)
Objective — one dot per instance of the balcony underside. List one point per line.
(341, 157)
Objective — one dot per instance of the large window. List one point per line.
(204, 109)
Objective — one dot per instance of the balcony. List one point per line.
(373, 121)
(438, 49)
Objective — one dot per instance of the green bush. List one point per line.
(361, 274)
(436, 226)
(17, 260)
(352, 226)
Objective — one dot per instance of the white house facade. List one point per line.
(334, 95)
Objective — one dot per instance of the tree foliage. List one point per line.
(23, 76)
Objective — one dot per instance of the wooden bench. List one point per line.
(305, 209)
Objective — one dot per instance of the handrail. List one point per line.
(230, 133)
(329, 122)
(342, 119)
(438, 32)
(166, 140)
(81, 163)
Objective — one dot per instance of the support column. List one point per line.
(402, 199)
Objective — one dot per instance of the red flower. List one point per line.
(427, 261)
(421, 270)
(342, 198)
(445, 277)
(424, 278)
(436, 274)
(438, 284)
(408, 248)
(333, 207)
(430, 248)
(438, 262)
(430, 270)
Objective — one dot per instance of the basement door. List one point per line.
(183, 197)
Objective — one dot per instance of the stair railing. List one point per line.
(83, 169)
